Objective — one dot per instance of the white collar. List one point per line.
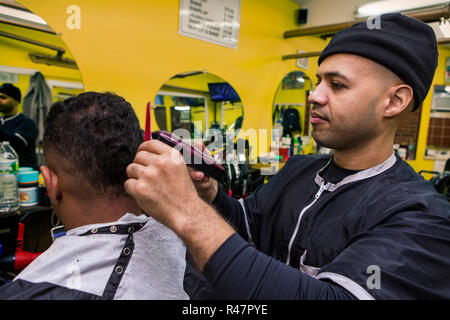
(360, 175)
(125, 219)
(12, 117)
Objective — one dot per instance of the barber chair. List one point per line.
(23, 237)
(441, 180)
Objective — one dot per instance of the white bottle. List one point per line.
(277, 133)
(9, 195)
(11, 155)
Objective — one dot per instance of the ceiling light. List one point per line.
(21, 14)
(182, 108)
(386, 6)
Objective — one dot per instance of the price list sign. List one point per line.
(215, 21)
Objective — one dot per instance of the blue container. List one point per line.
(28, 196)
(28, 178)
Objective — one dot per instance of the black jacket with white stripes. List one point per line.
(380, 233)
(21, 132)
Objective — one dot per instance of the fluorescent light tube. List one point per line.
(20, 14)
(182, 108)
(386, 6)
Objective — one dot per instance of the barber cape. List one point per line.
(133, 258)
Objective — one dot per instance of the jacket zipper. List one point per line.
(297, 226)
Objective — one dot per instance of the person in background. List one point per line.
(111, 250)
(17, 128)
(360, 224)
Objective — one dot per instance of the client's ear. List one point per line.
(51, 182)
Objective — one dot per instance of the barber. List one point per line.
(17, 128)
(359, 224)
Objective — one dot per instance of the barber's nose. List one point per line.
(318, 96)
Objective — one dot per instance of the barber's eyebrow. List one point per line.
(331, 74)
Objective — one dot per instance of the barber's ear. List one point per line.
(400, 98)
(51, 182)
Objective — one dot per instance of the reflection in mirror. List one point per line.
(202, 106)
(35, 59)
(199, 102)
(438, 140)
(292, 94)
(290, 114)
(406, 136)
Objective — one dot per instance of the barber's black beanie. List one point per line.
(405, 45)
(11, 91)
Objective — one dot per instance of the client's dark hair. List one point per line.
(95, 135)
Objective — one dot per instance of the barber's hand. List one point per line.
(160, 183)
(206, 186)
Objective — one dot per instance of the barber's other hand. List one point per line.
(206, 186)
(160, 182)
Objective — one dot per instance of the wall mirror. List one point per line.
(439, 129)
(438, 139)
(199, 102)
(405, 140)
(33, 55)
(292, 94)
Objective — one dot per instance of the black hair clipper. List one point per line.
(193, 156)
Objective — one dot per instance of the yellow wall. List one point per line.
(195, 82)
(133, 47)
